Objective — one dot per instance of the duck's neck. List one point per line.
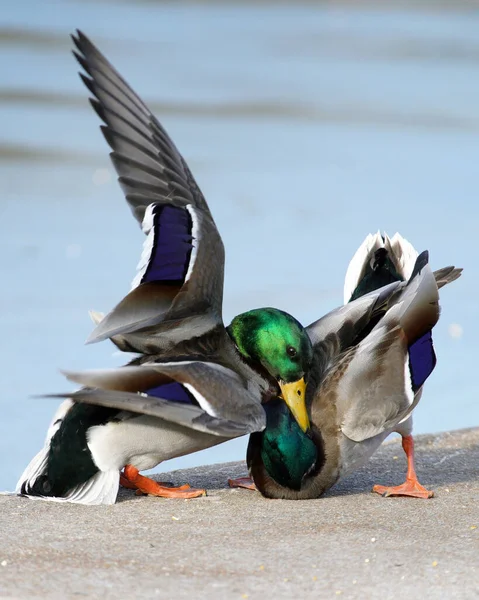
(288, 454)
(244, 342)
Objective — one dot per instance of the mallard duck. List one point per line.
(377, 262)
(371, 359)
(195, 382)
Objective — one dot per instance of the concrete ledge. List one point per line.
(236, 544)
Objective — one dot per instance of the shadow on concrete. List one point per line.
(441, 460)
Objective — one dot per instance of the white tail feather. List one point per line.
(359, 261)
(39, 462)
(34, 469)
(401, 252)
(102, 488)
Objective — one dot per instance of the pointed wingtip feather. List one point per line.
(82, 42)
(96, 316)
(77, 40)
(81, 61)
(447, 275)
(95, 337)
(100, 333)
(88, 83)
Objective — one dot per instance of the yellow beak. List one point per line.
(294, 394)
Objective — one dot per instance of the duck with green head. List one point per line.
(194, 383)
(275, 342)
(371, 358)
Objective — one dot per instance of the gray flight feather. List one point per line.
(221, 392)
(148, 163)
(447, 275)
(351, 318)
(192, 417)
(152, 171)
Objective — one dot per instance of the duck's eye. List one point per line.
(291, 351)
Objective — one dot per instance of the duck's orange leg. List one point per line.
(132, 479)
(124, 482)
(242, 482)
(411, 487)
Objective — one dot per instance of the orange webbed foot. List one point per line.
(411, 487)
(242, 482)
(131, 479)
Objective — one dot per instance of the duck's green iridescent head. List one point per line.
(279, 343)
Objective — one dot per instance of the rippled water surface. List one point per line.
(307, 126)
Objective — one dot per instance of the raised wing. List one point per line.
(180, 277)
(374, 382)
(199, 395)
(148, 164)
(180, 274)
(355, 318)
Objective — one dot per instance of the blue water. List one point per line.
(306, 127)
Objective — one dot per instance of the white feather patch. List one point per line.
(402, 253)
(404, 427)
(202, 401)
(147, 227)
(39, 462)
(359, 261)
(405, 255)
(58, 417)
(408, 382)
(34, 469)
(194, 242)
(102, 488)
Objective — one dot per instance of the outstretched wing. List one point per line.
(350, 323)
(199, 395)
(373, 382)
(148, 164)
(181, 270)
(179, 279)
(376, 385)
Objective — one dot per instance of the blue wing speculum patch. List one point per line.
(422, 360)
(168, 252)
(173, 391)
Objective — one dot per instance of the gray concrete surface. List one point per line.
(236, 544)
